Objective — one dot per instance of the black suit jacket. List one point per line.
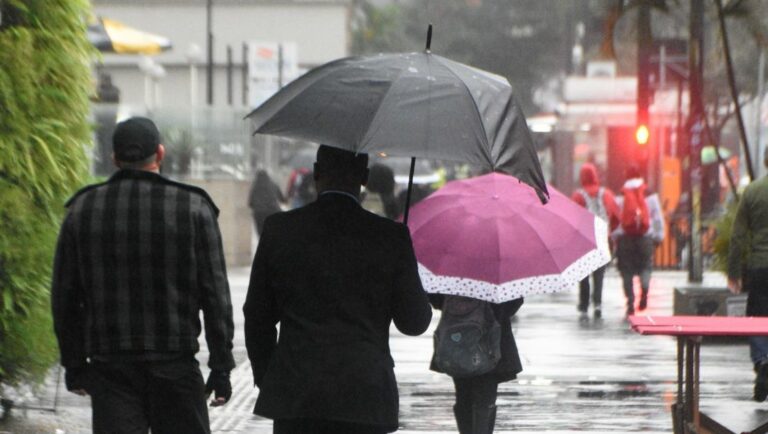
(334, 276)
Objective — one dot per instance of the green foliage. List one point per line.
(379, 30)
(724, 227)
(44, 131)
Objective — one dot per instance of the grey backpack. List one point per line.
(595, 204)
(467, 339)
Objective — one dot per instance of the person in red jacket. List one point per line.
(601, 202)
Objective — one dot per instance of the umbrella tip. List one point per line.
(429, 37)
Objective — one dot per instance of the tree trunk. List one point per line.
(734, 91)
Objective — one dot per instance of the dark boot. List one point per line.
(483, 419)
(761, 382)
(463, 417)
(643, 300)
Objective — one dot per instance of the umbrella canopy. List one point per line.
(111, 36)
(490, 238)
(412, 105)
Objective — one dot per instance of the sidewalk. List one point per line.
(590, 377)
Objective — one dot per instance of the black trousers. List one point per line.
(597, 290)
(132, 397)
(477, 392)
(322, 426)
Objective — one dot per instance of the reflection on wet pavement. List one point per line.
(593, 376)
(581, 376)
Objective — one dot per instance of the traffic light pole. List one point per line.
(643, 83)
(696, 132)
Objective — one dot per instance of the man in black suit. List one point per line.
(334, 276)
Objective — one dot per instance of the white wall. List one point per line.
(320, 29)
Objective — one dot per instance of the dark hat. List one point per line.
(335, 159)
(135, 139)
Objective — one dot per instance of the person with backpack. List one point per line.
(474, 345)
(640, 230)
(601, 202)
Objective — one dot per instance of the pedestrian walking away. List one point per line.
(475, 395)
(264, 199)
(138, 258)
(748, 269)
(641, 229)
(334, 276)
(601, 202)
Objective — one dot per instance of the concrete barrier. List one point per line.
(235, 221)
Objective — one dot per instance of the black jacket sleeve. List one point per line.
(411, 311)
(216, 302)
(260, 310)
(67, 300)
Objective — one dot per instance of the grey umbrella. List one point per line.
(408, 104)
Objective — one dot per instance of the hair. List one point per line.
(338, 162)
(137, 165)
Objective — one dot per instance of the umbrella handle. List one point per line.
(429, 37)
(410, 188)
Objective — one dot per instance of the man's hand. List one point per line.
(218, 381)
(734, 285)
(74, 379)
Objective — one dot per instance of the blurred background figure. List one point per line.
(601, 202)
(301, 187)
(264, 199)
(380, 192)
(641, 229)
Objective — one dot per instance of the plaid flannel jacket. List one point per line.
(137, 258)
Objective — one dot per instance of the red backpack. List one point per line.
(635, 218)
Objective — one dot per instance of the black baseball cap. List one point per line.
(135, 139)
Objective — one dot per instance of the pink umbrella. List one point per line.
(492, 239)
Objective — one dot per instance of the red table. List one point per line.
(689, 331)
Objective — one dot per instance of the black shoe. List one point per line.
(598, 312)
(643, 303)
(761, 382)
(630, 311)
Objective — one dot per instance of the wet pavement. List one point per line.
(589, 376)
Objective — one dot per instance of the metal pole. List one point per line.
(759, 112)
(410, 190)
(734, 91)
(230, 70)
(209, 32)
(643, 83)
(413, 159)
(280, 62)
(695, 137)
(244, 77)
(192, 84)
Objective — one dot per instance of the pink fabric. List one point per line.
(699, 325)
(493, 228)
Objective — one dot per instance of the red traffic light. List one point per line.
(642, 135)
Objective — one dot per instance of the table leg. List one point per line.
(696, 341)
(678, 408)
(691, 418)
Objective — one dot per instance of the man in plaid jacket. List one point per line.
(138, 258)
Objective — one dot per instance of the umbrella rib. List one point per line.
(369, 133)
(477, 110)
